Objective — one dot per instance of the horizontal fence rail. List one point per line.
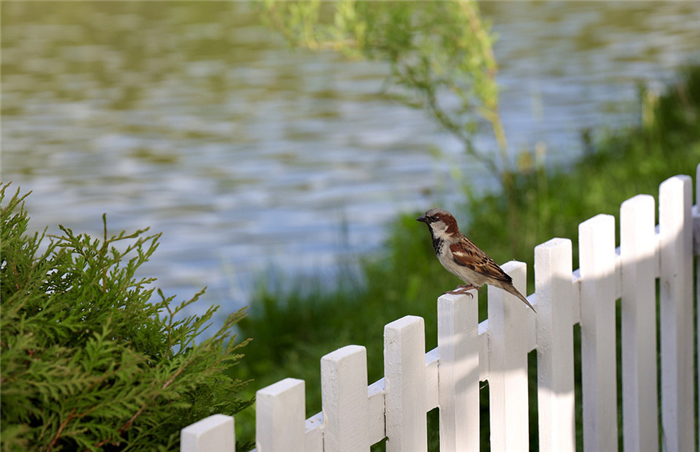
(356, 415)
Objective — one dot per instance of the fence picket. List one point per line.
(555, 345)
(377, 426)
(638, 310)
(404, 377)
(676, 311)
(314, 434)
(432, 361)
(458, 372)
(280, 416)
(356, 416)
(598, 364)
(345, 403)
(215, 433)
(510, 323)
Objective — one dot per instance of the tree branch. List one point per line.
(143, 408)
(60, 430)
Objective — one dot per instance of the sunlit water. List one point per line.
(196, 121)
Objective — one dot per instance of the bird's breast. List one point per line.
(466, 274)
(437, 245)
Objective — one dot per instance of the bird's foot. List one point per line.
(462, 289)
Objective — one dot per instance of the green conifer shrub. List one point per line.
(89, 361)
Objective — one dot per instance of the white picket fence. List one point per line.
(356, 416)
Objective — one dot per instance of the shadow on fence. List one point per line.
(356, 415)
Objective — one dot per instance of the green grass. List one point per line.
(294, 329)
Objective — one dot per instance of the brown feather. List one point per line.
(477, 260)
(461, 252)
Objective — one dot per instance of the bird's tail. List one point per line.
(510, 288)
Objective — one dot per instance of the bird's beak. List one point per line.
(422, 219)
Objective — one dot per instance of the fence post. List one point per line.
(404, 376)
(598, 363)
(676, 311)
(638, 309)
(555, 345)
(458, 372)
(212, 434)
(280, 416)
(344, 393)
(509, 322)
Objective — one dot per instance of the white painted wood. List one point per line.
(509, 322)
(458, 373)
(212, 434)
(618, 274)
(555, 345)
(377, 425)
(638, 309)
(432, 362)
(345, 403)
(598, 363)
(530, 334)
(356, 416)
(280, 417)
(484, 368)
(576, 281)
(676, 311)
(404, 377)
(657, 261)
(314, 433)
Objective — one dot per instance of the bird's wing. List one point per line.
(469, 255)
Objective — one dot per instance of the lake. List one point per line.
(253, 158)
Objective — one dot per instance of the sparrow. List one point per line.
(462, 258)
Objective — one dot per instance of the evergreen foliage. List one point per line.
(89, 362)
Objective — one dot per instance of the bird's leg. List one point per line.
(463, 289)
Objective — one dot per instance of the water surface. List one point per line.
(195, 120)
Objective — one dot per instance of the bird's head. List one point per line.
(441, 223)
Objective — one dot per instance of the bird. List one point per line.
(461, 257)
